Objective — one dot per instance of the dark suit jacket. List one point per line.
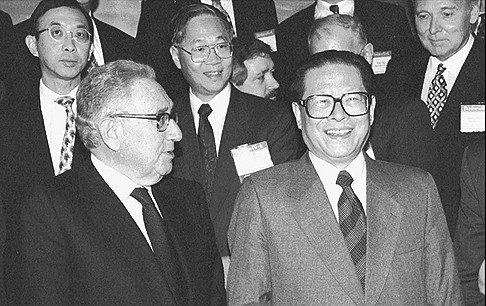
(386, 26)
(469, 241)
(3, 298)
(403, 135)
(408, 74)
(80, 246)
(249, 120)
(153, 39)
(288, 249)
(6, 34)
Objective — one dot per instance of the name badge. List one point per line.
(472, 117)
(250, 158)
(380, 61)
(268, 37)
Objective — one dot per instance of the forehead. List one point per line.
(333, 77)
(148, 96)
(335, 37)
(65, 16)
(205, 27)
(259, 63)
(440, 4)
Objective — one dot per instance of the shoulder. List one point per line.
(302, 17)
(260, 107)
(179, 188)
(276, 176)
(398, 174)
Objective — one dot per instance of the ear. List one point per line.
(174, 52)
(297, 109)
(111, 131)
(372, 110)
(474, 12)
(367, 53)
(31, 43)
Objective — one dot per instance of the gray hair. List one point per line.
(103, 92)
(344, 21)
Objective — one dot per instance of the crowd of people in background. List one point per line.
(223, 158)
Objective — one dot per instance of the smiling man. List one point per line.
(336, 227)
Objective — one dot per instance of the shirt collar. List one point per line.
(49, 97)
(346, 7)
(219, 104)
(357, 169)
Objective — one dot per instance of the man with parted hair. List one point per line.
(253, 68)
(118, 230)
(400, 134)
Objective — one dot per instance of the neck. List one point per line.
(61, 87)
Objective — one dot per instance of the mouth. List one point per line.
(214, 75)
(69, 63)
(338, 132)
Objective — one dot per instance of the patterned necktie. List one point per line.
(334, 9)
(217, 4)
(352, 221)
(69, 134)
(207, 148)
(162, 245)
(437, 95)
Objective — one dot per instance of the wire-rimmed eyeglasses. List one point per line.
(162, 119)
(58, 33)
(200, 54)
(322, 106)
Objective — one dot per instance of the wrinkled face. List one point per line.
(63, 59)
(206, 79)
(260, 81)
(335, 38)
(443, 26)
(146, 152)
(339, 138)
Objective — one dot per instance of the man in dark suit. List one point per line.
(6, 33)
(402, 134)
(117, 231)
(386, 24)
(202, 50)
(469, 241)
(448, 43)
(153, 38)
(336, 227)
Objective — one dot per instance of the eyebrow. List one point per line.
(56, 23)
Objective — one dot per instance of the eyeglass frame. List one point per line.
(211, 47)
(48, 29)
(157, 117)
(369, 97)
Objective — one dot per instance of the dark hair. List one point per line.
(103, 92)
(331, 57)
(46, 5)
(343, 21)
(178, 23)
(245, 49)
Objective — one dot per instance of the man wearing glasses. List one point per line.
(215, 117)
(117, 230)
(336, 227)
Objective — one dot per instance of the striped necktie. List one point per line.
(437, 95)
(69, 134)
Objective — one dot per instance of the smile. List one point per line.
(338, 133)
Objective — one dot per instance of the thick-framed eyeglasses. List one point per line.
(58, 33)
(322, 106)
(162, 119)
(200, 54)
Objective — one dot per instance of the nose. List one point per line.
(174, 133)
(272, 83)
(435, 25)
(213, 58)
(68, 43)
(338, 112)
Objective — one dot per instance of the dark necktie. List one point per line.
(207, 148)
(69, 134)
(437, 95)
(352, 221)
(334, 9)
(162, 245)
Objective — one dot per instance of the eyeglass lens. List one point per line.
(58, 33)
(321, 106)
(201, 54)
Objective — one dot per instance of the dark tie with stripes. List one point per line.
(352, 221)
(207, 148)
(334, 9)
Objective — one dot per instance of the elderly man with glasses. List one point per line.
(215, 117)
(337, 227)
(118, 230)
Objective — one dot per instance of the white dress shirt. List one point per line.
(228, 7)
(122, 186)
(328, 175)
(54, 117)
(453, 66)
(346, 7)
(219, 104)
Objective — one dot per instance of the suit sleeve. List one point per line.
(442, 281)
(284, 139)
(469, 242)
(44, 256)
(249, 272)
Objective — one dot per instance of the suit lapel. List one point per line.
(313, 213)
(384, 217)
(116, 226)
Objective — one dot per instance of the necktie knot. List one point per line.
(334, 9)
(440, 69)
(65, 101)
(205, 110)
(344, 179)
(142, 195)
